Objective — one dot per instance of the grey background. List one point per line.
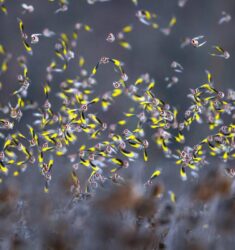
(151, 52)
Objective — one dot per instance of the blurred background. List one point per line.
(152, 52)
